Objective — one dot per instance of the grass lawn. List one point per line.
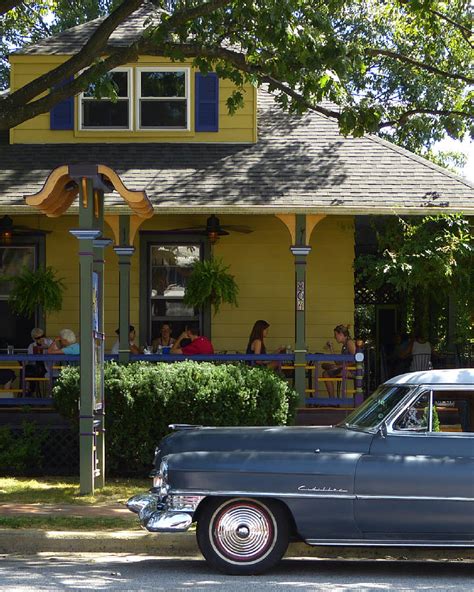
(65, 490)
(68, 523)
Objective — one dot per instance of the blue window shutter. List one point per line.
(61, 116)
(207, 102)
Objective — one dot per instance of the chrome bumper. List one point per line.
(163, 515)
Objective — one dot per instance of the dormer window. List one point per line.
(162, 98)
(98, 114)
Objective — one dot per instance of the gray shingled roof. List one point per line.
(299, 164)
(71, 40)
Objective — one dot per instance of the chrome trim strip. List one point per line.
(415, 497)
(346, 496)
(468, 543)
(204, 493)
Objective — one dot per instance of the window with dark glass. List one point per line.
(162, 99)
(170, 267)
(105, 112)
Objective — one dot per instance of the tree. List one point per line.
(426, 260)
(398, 68)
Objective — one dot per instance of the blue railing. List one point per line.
(315, 391)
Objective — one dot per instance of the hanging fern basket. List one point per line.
(36, 289)
(210, 283)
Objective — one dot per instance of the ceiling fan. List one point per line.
(8, 230)
(213, 229)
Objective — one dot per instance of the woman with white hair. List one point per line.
(65, 344)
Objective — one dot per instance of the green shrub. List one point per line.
(20, 450)
(142, 399)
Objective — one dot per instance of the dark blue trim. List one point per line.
(206, 102)
(61, 116)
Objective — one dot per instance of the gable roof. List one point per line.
(299, 164)
(72, 40)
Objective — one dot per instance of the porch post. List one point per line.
(300, 252)
(99, 263)
(124, 252)
(87, 234)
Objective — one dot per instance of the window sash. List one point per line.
(83, 100)
(148, 99)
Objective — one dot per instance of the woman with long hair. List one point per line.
(256, 344)
(334, 369)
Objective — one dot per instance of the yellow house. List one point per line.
(275, 181)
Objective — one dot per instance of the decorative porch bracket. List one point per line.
(89, 182)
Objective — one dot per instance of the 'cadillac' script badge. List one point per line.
(321, 489)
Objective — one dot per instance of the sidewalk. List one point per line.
(136, 541)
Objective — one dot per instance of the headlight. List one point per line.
(160, 481)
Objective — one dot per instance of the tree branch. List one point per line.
(238, 60)
(6, 5)
(465, 31)
(93, 48)
(373, 51)
(409, 113)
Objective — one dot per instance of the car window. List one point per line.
(454, 412)
(377, 407)
(415, 417)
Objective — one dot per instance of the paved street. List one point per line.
(125, 572)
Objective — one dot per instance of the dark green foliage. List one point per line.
(426, 260)
(19, 451)
(142, 399)
(33, 289)
(210, 282)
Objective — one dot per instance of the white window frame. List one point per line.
(130, 107)
(138, 97)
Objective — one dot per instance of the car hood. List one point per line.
(270, 439)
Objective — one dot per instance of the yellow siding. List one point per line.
(240, 127)
(263, 267)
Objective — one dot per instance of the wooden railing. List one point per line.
(348, 385)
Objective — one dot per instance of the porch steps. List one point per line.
(321, 416)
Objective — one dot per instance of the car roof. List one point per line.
(453, 376)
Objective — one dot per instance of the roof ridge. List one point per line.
(420, 159)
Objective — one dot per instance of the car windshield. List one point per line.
(376, 408)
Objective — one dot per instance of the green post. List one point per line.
(99, 264)
(87, 233)
(124, 252)
(300, 252)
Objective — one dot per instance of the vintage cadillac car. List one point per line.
(398, 472)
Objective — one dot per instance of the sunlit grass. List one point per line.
(68, 523)
(65, 490)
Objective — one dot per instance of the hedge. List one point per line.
(142, 399)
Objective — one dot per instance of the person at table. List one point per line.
(164, 339)
(420, 351)
(348, 346)
(38, 346)
(198, 345)
(7, 376)
(134, 349)
(256, 343)
(65, 343)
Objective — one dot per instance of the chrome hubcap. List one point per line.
(243, 531)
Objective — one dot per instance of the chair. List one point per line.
(420, 362)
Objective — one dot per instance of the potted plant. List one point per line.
(210, 282)
(34, 289)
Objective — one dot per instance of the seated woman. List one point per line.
(256, 344)
(334, 369)
(38, 346)
(133, 347)
(164, 340)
